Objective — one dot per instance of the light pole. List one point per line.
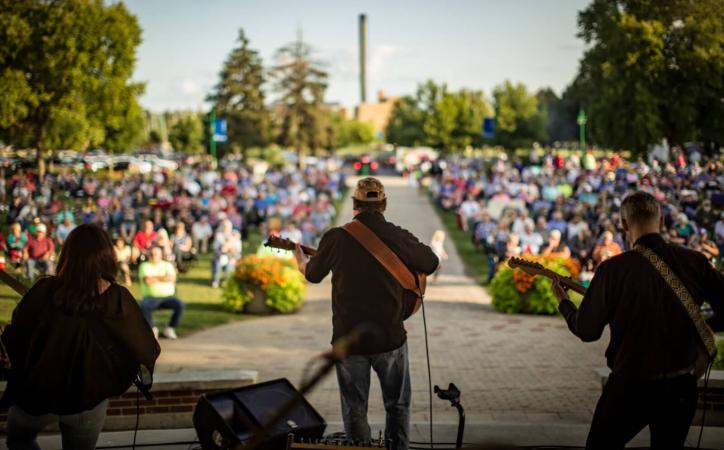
(581, 120)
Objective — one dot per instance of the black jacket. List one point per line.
(67, 362)
(651, 333)
(364, 295)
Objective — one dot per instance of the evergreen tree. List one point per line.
(239, 98)
(301, 83)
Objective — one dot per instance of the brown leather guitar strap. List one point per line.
(382, 253)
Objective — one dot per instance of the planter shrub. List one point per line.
(276, 278)
(514, 291)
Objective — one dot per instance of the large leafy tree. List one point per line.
(187, 133)
(64, 70)
(239, 98)
(301, 82)
(654, 70)
(449, 121)
(519, 122)
(405, 124)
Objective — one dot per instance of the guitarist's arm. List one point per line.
(318, 266)
(416, 255)
(588, 321)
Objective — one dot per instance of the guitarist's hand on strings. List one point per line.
(559, 290)
(301, 259)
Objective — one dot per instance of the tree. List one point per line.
(187, 133)
(405, 124)
(301, 83)
(653, 70)
(519, 122)
(65, 67)
(239, 98)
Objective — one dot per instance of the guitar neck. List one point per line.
(309, 251)
(565, 281)
(14, 284)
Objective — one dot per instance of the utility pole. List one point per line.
(363, 58)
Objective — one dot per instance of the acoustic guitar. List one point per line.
(412, 296)
(534, 268)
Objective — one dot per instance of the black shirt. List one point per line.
(651, 333)
(364, 294)
(67, 362)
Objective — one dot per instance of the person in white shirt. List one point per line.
(292, 233)
(467, 211)
(530, 240)
(201, 232)
(522, 221)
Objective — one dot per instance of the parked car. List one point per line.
(365, 166)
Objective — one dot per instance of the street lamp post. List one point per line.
(581, 120)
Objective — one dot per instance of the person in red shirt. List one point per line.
(143, 241)
(38, 252)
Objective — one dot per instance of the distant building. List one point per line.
(377, 113)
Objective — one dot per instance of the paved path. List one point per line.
(509, 368)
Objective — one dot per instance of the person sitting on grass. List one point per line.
(123, 257)
(158, 287)
(143, 241)
(38, 252)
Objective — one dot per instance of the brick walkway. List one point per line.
(509, 368)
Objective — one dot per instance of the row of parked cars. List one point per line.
(95, 160)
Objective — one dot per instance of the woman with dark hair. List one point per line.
(75, 340)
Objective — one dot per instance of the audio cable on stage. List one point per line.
(429, 371)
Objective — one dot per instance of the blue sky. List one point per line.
(474, 44)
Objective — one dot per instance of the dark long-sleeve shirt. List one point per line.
(651, 333)
(364, 294)
(66, 362)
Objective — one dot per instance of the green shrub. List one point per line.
(719, 359)
(514, 291)
(278, 278)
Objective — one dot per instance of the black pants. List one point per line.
(627, 406)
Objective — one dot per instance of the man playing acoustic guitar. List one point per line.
(650, 297)
(365, 295)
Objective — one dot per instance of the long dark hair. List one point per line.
(86, 257)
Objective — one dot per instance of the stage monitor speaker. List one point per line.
(226, 419)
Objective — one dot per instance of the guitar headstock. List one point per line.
(529, 267)
(280, 243)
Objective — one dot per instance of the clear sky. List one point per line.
(474, 43)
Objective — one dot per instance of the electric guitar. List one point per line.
(412, 296)
(534, 268)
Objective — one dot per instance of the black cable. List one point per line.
(429, 372)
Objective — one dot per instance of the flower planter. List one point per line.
(258, 305)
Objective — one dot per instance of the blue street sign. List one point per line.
(220, 130)
(489, 128)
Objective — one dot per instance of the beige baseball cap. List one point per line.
(369, 190)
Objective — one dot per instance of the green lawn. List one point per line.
(203, 303)
(476, 263)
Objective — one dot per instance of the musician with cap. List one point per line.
(367, 296)
(650, 298)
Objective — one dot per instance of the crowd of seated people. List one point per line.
(569, 206)
(187, 213)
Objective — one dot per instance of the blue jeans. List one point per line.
(150, 304)
(79, 431)
(32, 265)
(393, 371)
(217, 267)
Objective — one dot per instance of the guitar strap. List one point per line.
(382, 253)
(687, 301)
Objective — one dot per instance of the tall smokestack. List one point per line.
(363, 57)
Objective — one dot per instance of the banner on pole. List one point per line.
(220, 130)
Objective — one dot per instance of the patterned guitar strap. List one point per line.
(708, 352)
